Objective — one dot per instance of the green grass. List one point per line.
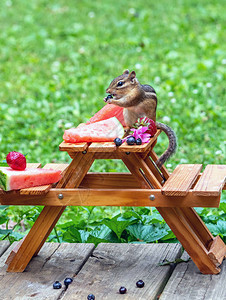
(58, 57)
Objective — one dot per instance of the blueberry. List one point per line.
(139, 141)
(109, 97)
(122, 290)
(90, 297)
(131, 140)
(140, 283)
(68, 281)
(57, 285)
(118, 142)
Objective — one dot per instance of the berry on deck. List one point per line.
(122, 290)
(140, 283)
(118, 141)
(67, 281)
(131, 140)
(57, 285)
(139, 141)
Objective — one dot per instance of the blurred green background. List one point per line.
(58, 57)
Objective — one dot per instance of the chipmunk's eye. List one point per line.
(120, 83)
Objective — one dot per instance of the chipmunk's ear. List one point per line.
(132, 76)
(126, 72)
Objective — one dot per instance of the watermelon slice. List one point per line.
(102, 131)
(14, 180)
(108, 111)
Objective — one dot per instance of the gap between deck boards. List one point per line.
(103, 270)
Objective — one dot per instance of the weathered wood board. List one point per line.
(114, 265)
(187, 283)
(54, 262)
(4, 245)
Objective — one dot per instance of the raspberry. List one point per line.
(16, 160)
(151, 127)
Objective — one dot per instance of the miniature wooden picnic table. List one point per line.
(174, 195)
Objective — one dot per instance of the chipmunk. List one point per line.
(138, 100)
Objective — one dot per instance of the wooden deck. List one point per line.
(102, 271)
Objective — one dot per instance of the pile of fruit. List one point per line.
(107, 126)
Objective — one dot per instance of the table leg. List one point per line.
(32, 243)
(35, 238)
(195, 238)
(186, 224)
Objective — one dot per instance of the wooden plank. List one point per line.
(54, 262)
(109, 197)
(4, 245)
(139, 148)
(114, 265)
(105, 180)
(212, 181)
(107, 155)
(181, 180)
(187, 283)
(40, 190)
(102, 147)
(73, 147)
(33, 165)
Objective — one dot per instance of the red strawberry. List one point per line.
(16, 160)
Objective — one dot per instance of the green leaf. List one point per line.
(219, 228)
(101, 232)
(223, 206)
(118, 224)
(74, 235)
(3, 219)
(147, 233)
(3, 206)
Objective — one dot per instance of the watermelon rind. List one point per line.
(3, 181)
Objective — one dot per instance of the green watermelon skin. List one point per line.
(102, 131)
(107, 112)
(14, 180)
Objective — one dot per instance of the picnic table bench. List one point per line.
(174, 195)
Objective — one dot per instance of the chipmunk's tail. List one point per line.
(172, 143)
